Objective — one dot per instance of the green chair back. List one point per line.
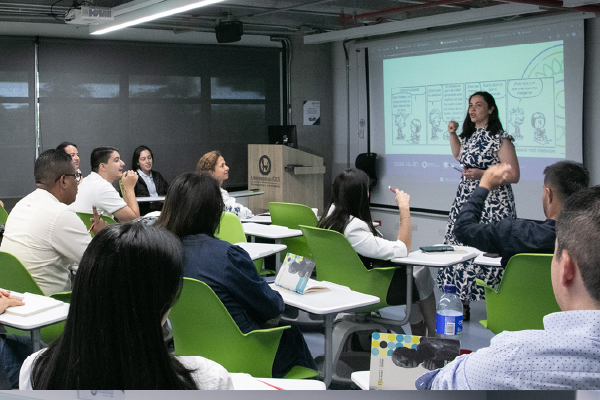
(337, 262)
(14, 276)
(232, 231)
(292, 216)
(50, 333)
(3, 216)
(202, 326)
(87, 220)
(524, 296)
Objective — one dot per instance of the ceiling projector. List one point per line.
(86, 15)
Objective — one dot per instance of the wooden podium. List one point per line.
(284, 174)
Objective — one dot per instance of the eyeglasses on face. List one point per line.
(77, 176)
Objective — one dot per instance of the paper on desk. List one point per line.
(34, 304)
(247, 382)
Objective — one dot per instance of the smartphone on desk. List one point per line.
(436, 249)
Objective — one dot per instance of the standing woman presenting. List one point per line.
(482, 143)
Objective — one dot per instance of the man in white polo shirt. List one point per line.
(42, 232)
(97, 189)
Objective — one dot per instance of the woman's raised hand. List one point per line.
(402, 199)
(452, 127)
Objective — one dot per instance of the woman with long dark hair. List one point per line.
(128, 279)
(349, 214)
(151, 183)
(192, 211)
(482, 143)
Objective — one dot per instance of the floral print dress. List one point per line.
(478, 151)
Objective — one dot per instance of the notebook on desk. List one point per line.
(34, 304)
(398, 360)
(295, 273)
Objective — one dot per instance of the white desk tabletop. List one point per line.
(149, 199)
(260, 250)
(361, 378)
(338, 299)
(270, 231)
(441, 259)
(247, 382)
(36, 321)
(246, 193)
(488, 261)
(259, 219)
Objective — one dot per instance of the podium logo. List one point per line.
(264, 165)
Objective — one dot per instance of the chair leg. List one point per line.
(341, 331)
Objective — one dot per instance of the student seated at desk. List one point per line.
(151, 183)
(13, 349)
(214, 163)
(128, 279)
(192, 211)
(349, 214)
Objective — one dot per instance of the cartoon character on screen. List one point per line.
(515, 118)
(538, 121)
(435, 119)
(400, 121)
(415, 129)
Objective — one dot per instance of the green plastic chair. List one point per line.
(337, 262)
(232, 231)
(202, 326)
(14, 276)
(292, 216)
(524, 296)
(86, 218)
(3, 216)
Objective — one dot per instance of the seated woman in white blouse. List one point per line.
(214, 163)
(349, 213)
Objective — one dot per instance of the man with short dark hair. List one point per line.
(97, 190)
(508, 237)
(566, 354)
(71, 150)
(42, 232)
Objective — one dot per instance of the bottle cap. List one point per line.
(449, 288)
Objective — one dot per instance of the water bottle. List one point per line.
(449, 318)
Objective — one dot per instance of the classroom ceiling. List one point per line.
(283, 17)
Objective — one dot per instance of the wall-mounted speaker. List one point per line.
(229, 31)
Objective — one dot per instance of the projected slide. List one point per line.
(419, 83)
(424, 93)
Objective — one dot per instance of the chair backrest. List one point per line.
(3, 216)
(87, 220)
(292, 216)
(50, 333)
(230, 229)
(14, 276)
(524, 297)
(337, 262)
(202, 326)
